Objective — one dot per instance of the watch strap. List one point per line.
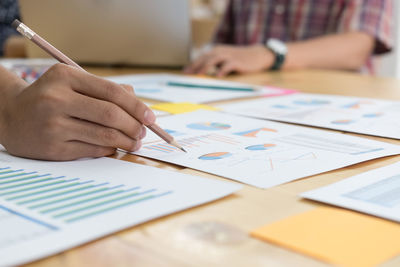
(279, 60)
(279, 49)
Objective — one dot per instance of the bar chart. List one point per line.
(68, 199)
(47, 207)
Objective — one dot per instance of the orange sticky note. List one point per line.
(181, 107)
(337, 236)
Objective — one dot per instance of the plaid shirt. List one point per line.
(255, 21)
(8, 12)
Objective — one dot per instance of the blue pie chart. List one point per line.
(311, 102)
(260, 147)
(215, 156)
(209, 126)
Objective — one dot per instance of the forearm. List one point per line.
(347, 51)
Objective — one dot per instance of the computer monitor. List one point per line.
(133, 32)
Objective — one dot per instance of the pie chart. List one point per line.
(261, 147)
(215, 156)
(282, 106)
(372, 115)
(342, 122)
(311, 102)
(209, 126)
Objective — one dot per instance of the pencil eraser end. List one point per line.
(15, 23)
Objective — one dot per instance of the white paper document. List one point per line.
(155, 111)
(257, 152)
(12, 63)
(351, 114)
(155, 86)
(29, 69)
(376, 192)
(47, 207)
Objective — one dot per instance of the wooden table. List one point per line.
(216, 234)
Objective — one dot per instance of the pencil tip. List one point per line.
(175, 144)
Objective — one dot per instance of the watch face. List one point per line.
(277, 46)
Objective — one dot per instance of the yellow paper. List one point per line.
(337, 236)
(183, 107)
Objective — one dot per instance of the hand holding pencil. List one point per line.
(69, 113)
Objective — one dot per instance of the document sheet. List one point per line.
(155, 86)
(376, 192)
(257, 152)
(350, 114)
(47, 207)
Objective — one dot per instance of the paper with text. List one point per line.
(154, 86)
(376, 192)
(257, 152)
(48, 207)
(350, 114)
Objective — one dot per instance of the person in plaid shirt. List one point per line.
(330, 34)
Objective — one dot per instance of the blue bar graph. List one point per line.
(66, 199)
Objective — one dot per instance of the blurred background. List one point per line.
(206, 14)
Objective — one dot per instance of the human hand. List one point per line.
(68, 114)
(226, 59)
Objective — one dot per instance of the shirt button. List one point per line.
(279, 9)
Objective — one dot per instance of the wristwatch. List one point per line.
(279, 49)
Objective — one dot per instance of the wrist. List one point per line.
(10, 84)
(265, 56)
(10, 87)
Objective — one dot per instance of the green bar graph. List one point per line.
(20, 179)
(29, 188)
(109, 208)
(66, 192)
(13, 175)
(9, 171)
(83, 201)
(44, 191)
(65, 199)
(23, 184)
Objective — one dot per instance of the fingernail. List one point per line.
(149, 117)
(138, 145)
(143, 133)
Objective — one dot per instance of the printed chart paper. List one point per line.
(155, 111)
(29, 69)
(182, 107)
(350, 114)
(154, 86)
(257, 152)
(47, 207)
(376, 192)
